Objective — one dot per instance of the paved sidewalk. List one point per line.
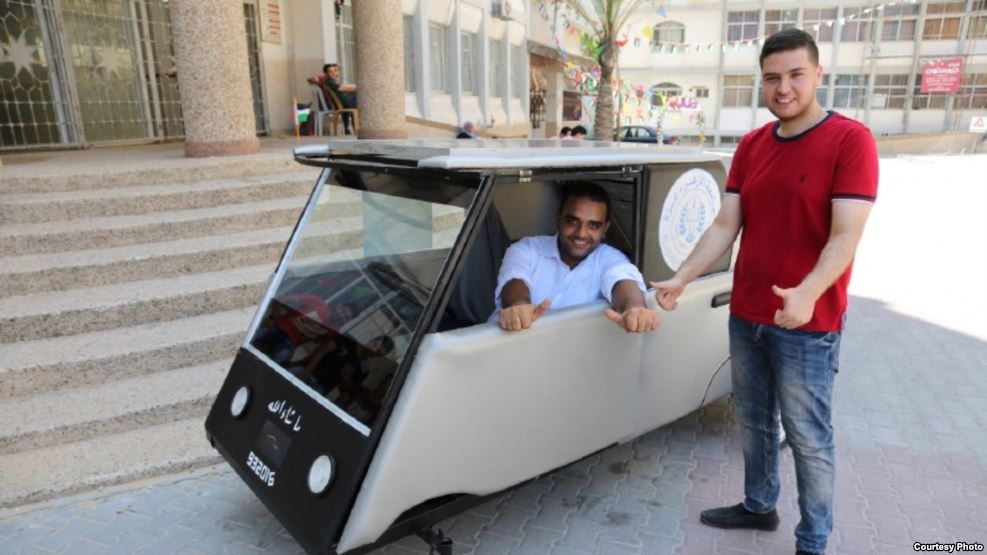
(910, 416)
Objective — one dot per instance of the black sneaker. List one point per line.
(739, 517)
(800, 552)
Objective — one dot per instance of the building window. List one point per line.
(699, 91)
(778, 20)
(857, 29)
(850, 91)
(519, 77)
(927, 101)
(346, 44)
(822, 92)
(890, 91)
(730, 139)
(973, 92)
(496, 66)
(978, 27)
(664, 90)
(470, 63)
(738, 91)
(437, 57)
(942, 20)
(409, 53)
(900, 22)
(819, 23)
(668, 31)
(742, 25)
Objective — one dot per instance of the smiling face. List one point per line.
(789, 80)
(582, 224)
(333, 72)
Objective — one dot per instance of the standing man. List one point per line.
(801, 189)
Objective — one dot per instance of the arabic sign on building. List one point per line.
(942, 76)
(270, 21)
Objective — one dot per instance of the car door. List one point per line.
(685, 364)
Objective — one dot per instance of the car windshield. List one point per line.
(358, 273)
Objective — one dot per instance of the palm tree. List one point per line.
(604, 19)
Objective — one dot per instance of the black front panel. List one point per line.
(274, 443)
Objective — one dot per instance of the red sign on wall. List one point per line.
(942, 76)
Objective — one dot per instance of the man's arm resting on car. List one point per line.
(630, 311)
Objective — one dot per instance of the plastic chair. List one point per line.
(323, 109)
(337, 111)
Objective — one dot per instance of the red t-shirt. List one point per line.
(786, 187)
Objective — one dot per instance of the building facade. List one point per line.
(75, 73)
(701, 57)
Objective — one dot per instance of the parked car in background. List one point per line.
(372, 397)
(644, 134)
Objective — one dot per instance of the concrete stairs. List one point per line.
(124, 294)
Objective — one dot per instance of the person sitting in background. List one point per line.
(578, 132)
(565, 133)
(342, 95)
(467, 131)
(321, 78)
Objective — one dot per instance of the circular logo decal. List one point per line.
(689, 209)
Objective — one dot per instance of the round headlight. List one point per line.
(320, 475)
(240, 401)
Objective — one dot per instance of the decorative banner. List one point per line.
(942, 76)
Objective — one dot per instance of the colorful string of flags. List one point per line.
(645, 36)
(638, 106)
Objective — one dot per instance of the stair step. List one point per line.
(31, 476)
(68, 205)
(113, 231)
(78, 414)
(74, 311)
(103, 169)
(20, 275)
(44, 365)
(31, 273)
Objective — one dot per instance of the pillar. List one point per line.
(379, 36)
(210, 45)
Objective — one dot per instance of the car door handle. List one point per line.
(720, 299)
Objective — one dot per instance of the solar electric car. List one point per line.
(373, 397)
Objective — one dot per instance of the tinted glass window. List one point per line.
(361, 268)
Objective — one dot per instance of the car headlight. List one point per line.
(240, 401)
(320, 475)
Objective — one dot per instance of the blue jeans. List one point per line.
(788, 373)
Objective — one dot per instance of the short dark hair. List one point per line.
(325, 67)
(579, 130)
(584, 189)
(565, 131)
(790, 39)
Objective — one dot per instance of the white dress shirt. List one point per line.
(536, 261)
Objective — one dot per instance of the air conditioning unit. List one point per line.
(508, 9)
(502, 9)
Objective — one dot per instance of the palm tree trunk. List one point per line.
(603, 120)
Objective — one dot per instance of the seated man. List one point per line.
(345, 93)
(572, 268)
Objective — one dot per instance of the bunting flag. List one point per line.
(299, 115)
(645, 36)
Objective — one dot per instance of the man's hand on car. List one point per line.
(668, 291)
(521, 316)
(635, 320)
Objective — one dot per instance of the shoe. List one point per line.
(800, 552)
(739, 517)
